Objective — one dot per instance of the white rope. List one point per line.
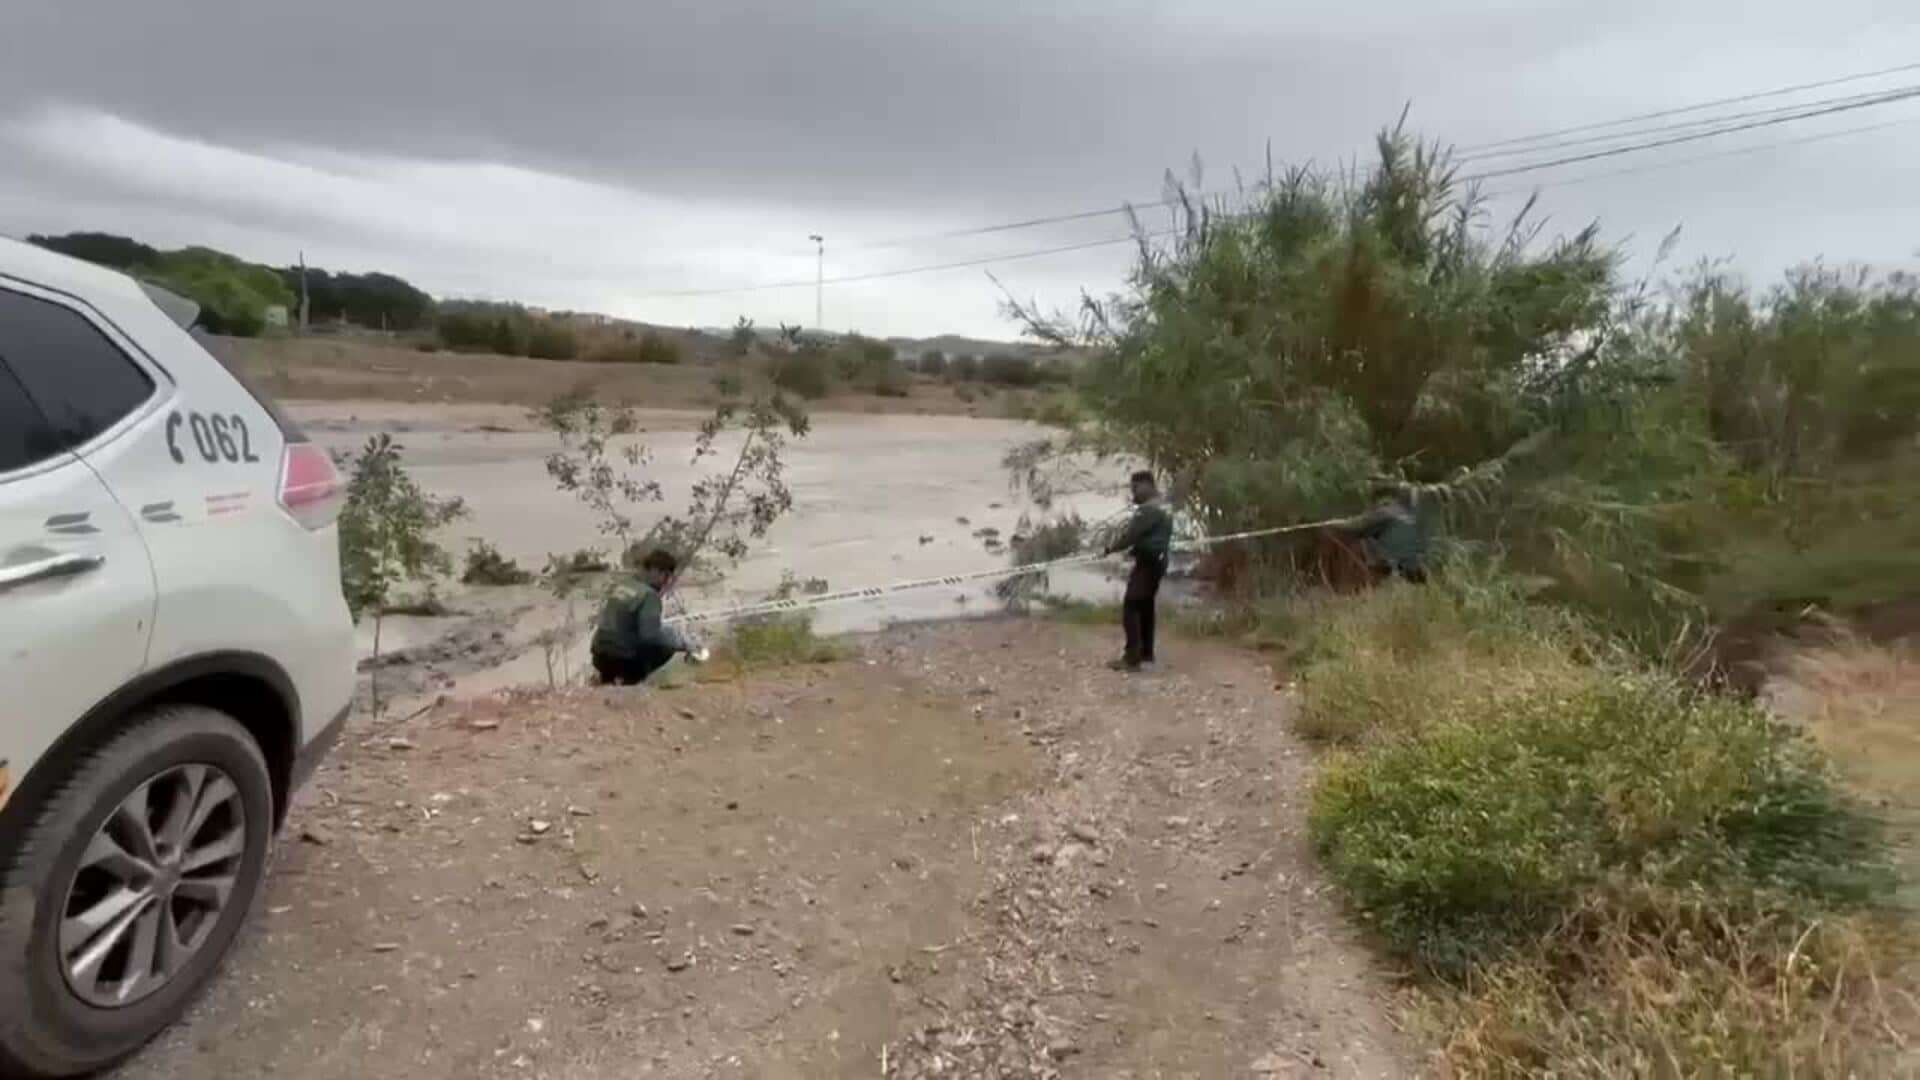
(877, 592)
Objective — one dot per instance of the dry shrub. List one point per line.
(1861, 701)
(1650, 982)
(486, 566)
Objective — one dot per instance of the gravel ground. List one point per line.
(968, 851)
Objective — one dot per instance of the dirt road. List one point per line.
(968, 851)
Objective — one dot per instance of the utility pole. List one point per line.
(303, 292)
(819, 283)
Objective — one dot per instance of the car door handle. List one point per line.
(57, 566)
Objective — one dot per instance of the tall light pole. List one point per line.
(819, 282)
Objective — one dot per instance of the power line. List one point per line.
(1469, 152)
(1663, 129)
(850, 279)
(1007, 226)
(1890, 97)
(1886, 99)
(1699, 158)
(1660, 114)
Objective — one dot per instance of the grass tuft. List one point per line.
(775, 641)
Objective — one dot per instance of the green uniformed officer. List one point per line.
(1391, 536)
(1149, 539)
(630, 642)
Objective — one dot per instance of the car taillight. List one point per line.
(310, 486)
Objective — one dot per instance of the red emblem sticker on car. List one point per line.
(231, 503)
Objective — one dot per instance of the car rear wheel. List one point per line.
(131, 884)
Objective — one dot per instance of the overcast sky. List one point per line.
(595, 154)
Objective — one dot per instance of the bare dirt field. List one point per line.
(327, 369)
(969, 850)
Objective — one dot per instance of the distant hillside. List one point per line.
(908, 348)
(956, 345)
(243, 298)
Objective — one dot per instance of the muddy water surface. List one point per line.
(877, 499)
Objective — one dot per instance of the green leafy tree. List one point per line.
(1268, 357)
(606, 471)
(233, 295)
(657, 348)
(595, 466)
(551, 341)
(726, 510)
(387, 534)
(104, 249)
(376, 301)
(505, 338)
(802, 365)
(464, 331)
(1661, 457)
(1006, 369)
(729, 508)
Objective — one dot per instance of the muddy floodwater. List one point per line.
(877, 499)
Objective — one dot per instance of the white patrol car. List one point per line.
(175, 656)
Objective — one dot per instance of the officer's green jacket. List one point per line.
(630, 622)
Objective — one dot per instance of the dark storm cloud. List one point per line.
(598, 152)
(951, 103)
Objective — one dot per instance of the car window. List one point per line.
(81, 381)
(25, 438)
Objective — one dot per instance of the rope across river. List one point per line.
(878, 592)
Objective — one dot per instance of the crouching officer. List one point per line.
(630, 642)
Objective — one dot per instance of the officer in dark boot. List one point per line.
(1149, 539)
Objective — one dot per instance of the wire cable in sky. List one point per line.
(1884, 99)
(1697, 159)
(877, 275)
(1467, 153)
(1887, 98)
(1682, 110)
(1631, 134)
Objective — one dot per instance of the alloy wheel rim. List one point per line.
(152, 885)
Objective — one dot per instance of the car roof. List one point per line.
(97, 285)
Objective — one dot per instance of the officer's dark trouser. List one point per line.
(1136, 610)
(1412, 574)
(630, 670)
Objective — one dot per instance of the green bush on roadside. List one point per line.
(550, 341)
(807, 372)
(1594, 864)
(1471, 832)
(648, 348)
(775, 641)
(486, 566)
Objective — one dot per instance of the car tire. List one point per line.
(66, 890)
